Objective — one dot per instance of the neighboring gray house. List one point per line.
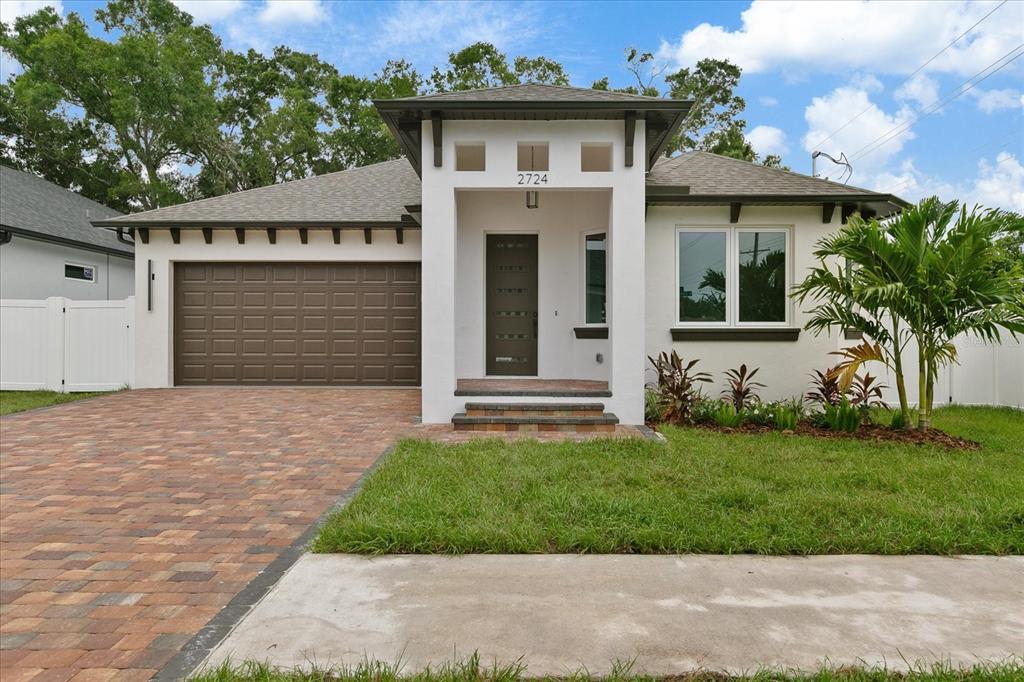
(49, 248)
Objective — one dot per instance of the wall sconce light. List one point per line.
(531, 199)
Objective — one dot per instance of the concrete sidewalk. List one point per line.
(560, 613)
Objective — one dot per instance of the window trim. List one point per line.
(732, 300)
(95, 272)
(583, 278)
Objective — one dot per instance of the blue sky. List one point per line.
(809, 68)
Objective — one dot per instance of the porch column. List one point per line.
(438, 290)
(627, 289)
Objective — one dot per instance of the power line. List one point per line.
(983, 145)
(966, 86)
(916, 71)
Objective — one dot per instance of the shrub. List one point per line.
(741, 391)
(865, 395)
(652, 409)
(726, 415)
(825, 388)
(704, 410)
(677, 390)
(841, 417)
(786, 418)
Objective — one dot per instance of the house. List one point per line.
(49, 248)
(534, 244)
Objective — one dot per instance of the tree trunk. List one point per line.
(901, 382)
(924, 387)
(923, 408)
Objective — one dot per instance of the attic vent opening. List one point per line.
(470, 156)
(595, 157)
(532, 156)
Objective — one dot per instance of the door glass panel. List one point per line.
(702, 286)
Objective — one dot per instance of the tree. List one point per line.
(359, 135)
(929, 274)
(482, 65)
(713, 123)
(127, 112)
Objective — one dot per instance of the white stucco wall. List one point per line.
(34, 269)
(153, 330)
(442, 361)
(560, 222)
(784, 365)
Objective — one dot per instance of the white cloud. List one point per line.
(441, 27)
(292, 11)
(997, 184)
(767, 140)
(991, 101)
(12, 9)
(826, 114)
(921, 90)
(885, 37)
(768, 101)
(209, 11)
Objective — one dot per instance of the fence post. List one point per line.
(55, 314)
(129, 321)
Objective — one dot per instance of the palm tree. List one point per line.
(929, 274)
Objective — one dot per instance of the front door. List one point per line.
(512, 304)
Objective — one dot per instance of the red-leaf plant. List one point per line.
(677, 390)
(742, 391)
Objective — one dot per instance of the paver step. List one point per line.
(533, 392)
(603, 422)
(534, 410)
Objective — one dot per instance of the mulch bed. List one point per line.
(870, 432)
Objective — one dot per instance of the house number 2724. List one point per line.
(531, 178)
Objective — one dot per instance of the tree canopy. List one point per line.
(157, 111)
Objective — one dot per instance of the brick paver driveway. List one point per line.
(128, 521)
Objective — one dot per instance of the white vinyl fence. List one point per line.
(64, 345)
(985, 374)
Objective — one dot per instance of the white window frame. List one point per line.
(95, 272)
(583, 278)
(732, 275)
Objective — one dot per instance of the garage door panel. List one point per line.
(297, 323)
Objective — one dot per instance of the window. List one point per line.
(83, 273)
(470, 156)
(532, 156)
(595, 157)
(733, 276)
(595, 269)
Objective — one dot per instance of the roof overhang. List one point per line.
(53, 239)
(404, 117)
(126, 222)
(867, 204)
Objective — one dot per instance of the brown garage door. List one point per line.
(297, 323)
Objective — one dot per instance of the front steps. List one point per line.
(540, 417)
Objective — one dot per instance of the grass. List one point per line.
(19, 401)
(471, 670)
(703, 492)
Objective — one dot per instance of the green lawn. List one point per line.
(472, 670)
(19, 401)
(703, 491)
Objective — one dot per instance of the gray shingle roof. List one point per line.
(371, 194)
(31, 204)
(380, 193)
(711, 174)
(532, 92)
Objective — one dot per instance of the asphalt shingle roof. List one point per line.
(379, 193)
(29, 203)
(711, 174)
(532, 92)
(370, 194)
